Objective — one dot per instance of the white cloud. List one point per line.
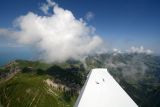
(89, 16)
(115, 50)
(46, 6)
(58, 37)
(133, 49)
(139, 50)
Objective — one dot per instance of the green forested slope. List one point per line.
(38, 84)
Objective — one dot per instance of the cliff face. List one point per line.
(23, 82)
(9, 70)
(34, 83)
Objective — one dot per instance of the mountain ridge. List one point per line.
(138, 75)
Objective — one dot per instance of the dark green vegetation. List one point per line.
(29, 84)
(34, 83)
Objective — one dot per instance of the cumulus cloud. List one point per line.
(46, 6)
(89, 16)
(57, 37)
(140, 49)
(133, 49)
(116, 51)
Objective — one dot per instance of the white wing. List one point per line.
(101, 90)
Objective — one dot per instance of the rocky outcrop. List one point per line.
(9, 70)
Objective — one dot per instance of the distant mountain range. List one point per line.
(35, 83)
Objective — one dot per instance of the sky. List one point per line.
(121, 24)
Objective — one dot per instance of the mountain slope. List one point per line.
(35, 83)
(31, 87)
(138, 74)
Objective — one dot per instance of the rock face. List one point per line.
(10, 70)
(56, 86)
(60, 83)
(29, 83)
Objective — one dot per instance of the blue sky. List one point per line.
(121, 23)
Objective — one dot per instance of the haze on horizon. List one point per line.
(83, 28)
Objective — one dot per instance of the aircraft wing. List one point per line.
(101, 90)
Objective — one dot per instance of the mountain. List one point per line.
(138, 74)
(35, 83)
(28, 83)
